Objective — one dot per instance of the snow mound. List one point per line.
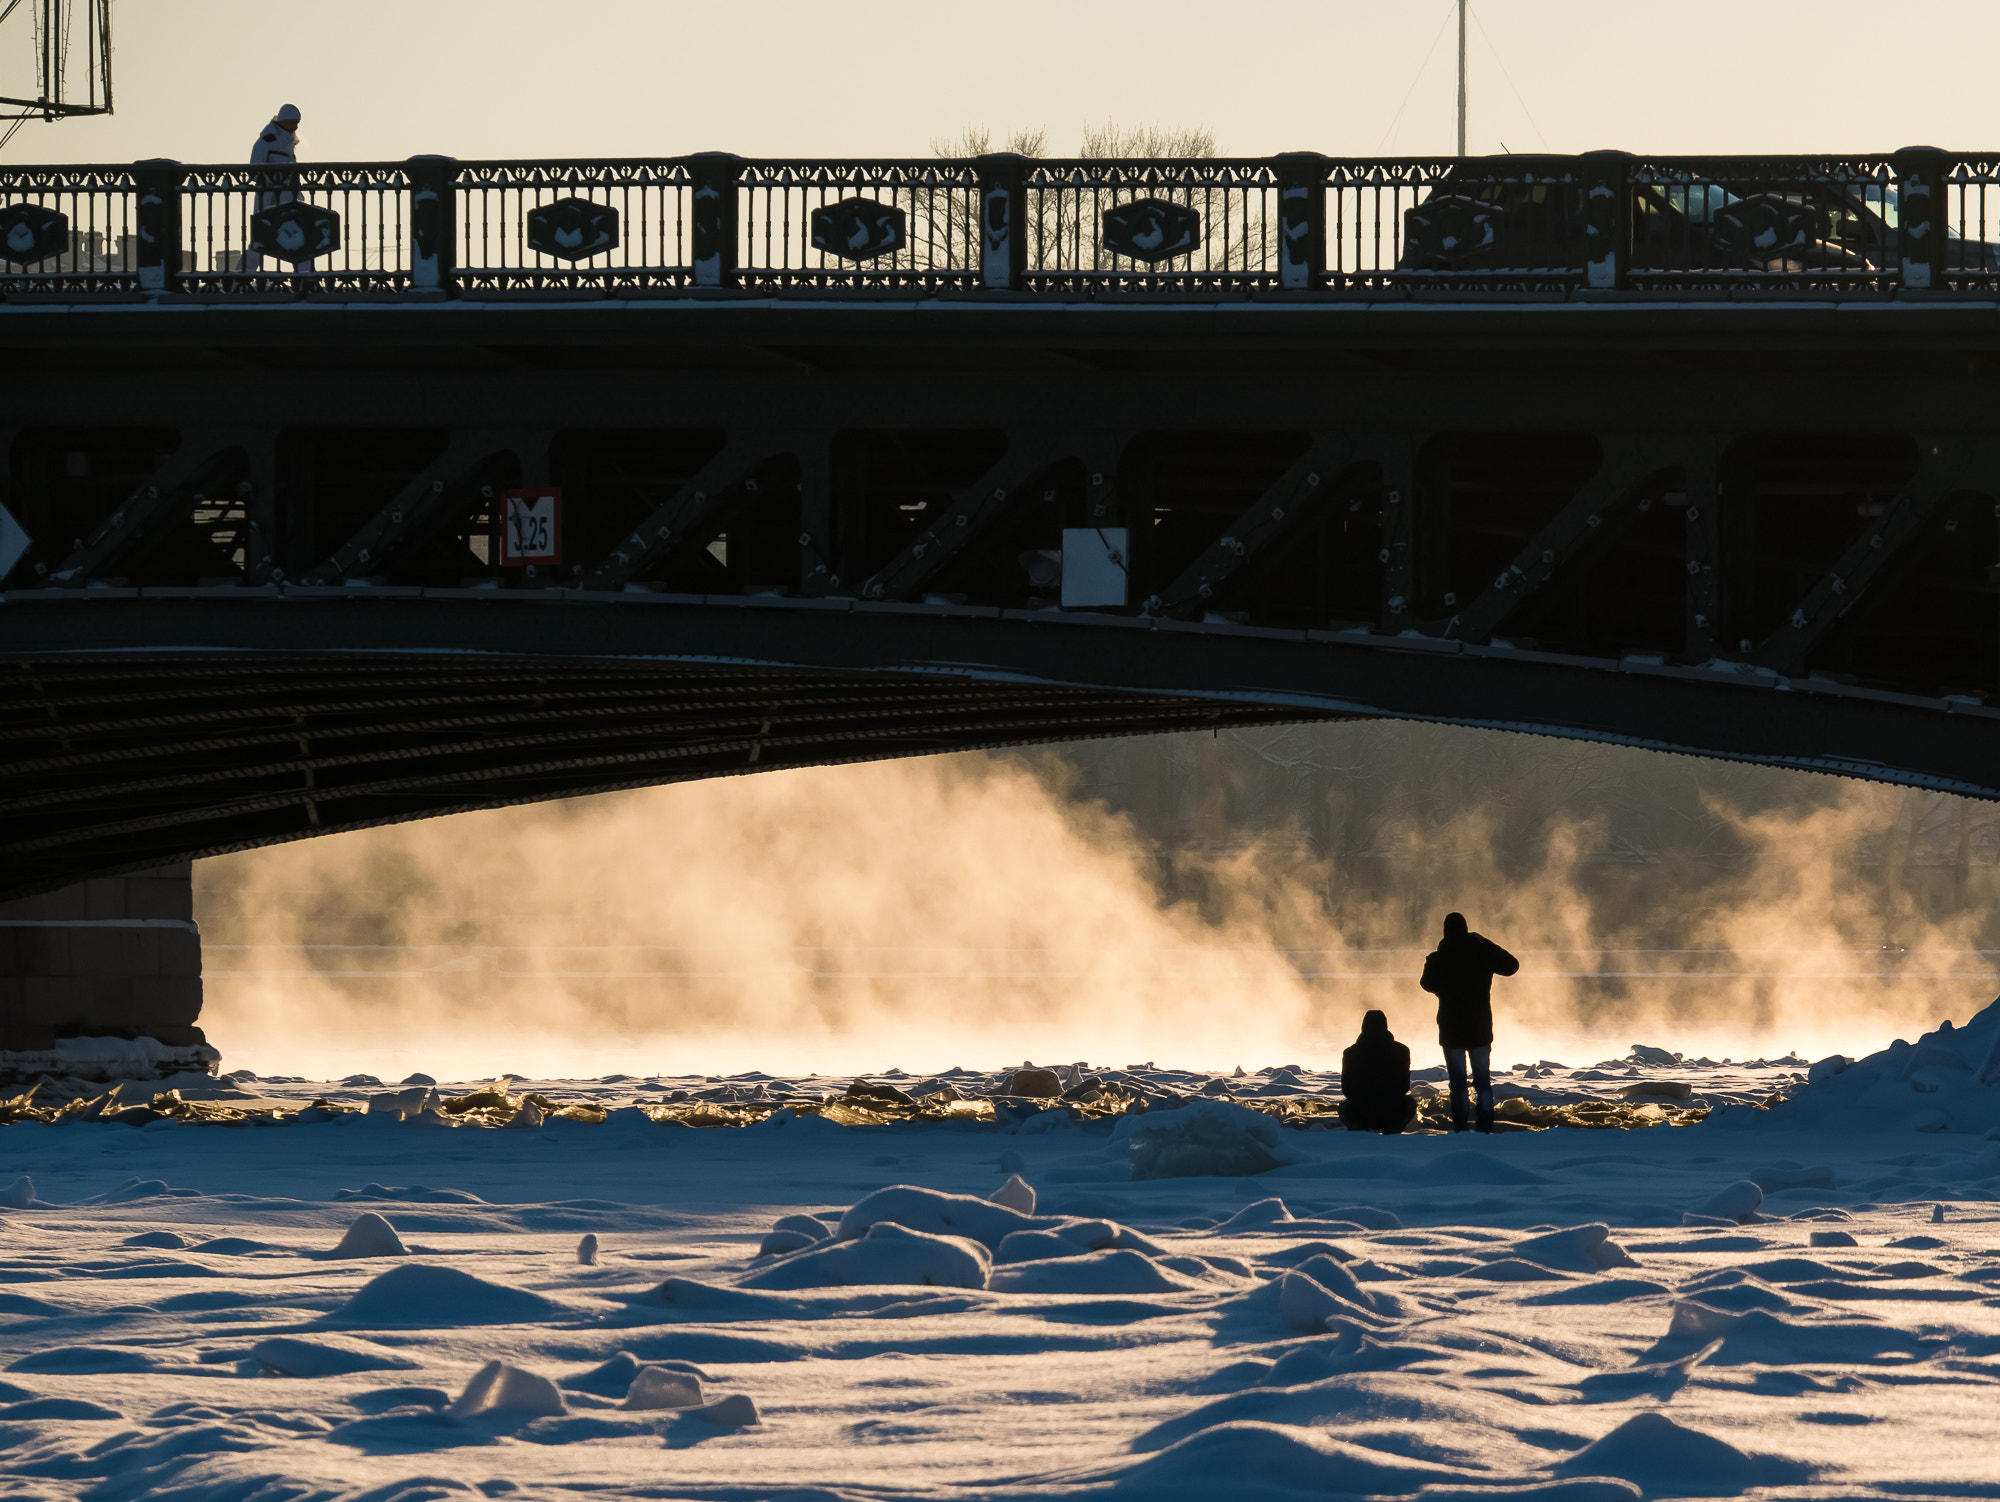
(1203, 1139)
(937, 1214)
(294, 1356)
(1267, 1212)
(1662, 1456)
(18, 1195)
(1038, 1246)
(81, 1361)
(1737, 1202)
(1948, 1080)
(1760, 1337)
(500, 1388)
(1226, 1458)
(371, 1236)
(737, 1411)
(1577, 1249)
(656, 1387)
(434, 1297)
(889, 1253)
(586, 1250)
(1093, 1273)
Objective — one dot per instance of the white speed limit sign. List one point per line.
(530, 527)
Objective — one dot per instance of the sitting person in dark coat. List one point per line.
(1375, 1078)
(1459, 973)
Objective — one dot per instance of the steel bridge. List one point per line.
(356, 493)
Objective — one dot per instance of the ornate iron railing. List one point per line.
(1916, 220)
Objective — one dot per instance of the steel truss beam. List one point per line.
(1950, 465)
(464, 472)
(162, 499)
(1298, 494)
(694, 515)
(1592, 517)
(987, 500)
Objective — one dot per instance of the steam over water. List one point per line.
(1251, 896)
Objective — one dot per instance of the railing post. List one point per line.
(433, 224)
(1920, 215)
(1607, 219)
(1301, 220)
(1003, 248)
(157, 182)
(715, 174)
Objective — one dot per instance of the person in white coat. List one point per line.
(278, 146)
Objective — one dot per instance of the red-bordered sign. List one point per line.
(530, 524)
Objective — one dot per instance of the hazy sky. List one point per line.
(383, 79)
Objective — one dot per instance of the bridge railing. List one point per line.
(1917, 219)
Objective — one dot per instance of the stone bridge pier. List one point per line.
(102, 979)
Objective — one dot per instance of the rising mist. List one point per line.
(1193, 900)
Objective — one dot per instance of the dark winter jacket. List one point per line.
(1376, 1067)
(1459, 973)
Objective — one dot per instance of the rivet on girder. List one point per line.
(396, 517)
(1548, 555)
(1694, 513)
(486, 492)
(1500, 581)
(699, 497)
(437, 487)
(919, 550)
(1798, 620)
(1839, 585)
(1395, 605)
(1206, 591)
(1395, 498)
(1693, 566)
(1450, 598)
(1383, 556)
(1593, 521)
(805, 539)
(1097, 479)
(665, 533)
(751, 486)
(1875, 541)
(964, 520)
(364, 555)
(152, 492)
(1313, 478)
(999, 495)
(243, 487)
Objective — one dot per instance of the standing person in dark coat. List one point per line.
(1459, 973)
(1375, 1078)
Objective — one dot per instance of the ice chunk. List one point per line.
(1264, 1212)
(1737, 1202)
(586, 1249)
(1043, 1083)
(371, 1236)
(18, 1195)
(498, 1387)
(1206, 1138)
(661, 1387)
(1016, 1194)
(1832, 1238)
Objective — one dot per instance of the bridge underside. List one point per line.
(264, 597)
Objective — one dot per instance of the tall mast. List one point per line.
(1461, 77)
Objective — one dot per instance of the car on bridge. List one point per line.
(1527, 213)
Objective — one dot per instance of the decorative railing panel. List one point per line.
(67, 230)
(1210, 224)
(522, 226)
(330, 227)
(1917, 220)
(897, 224)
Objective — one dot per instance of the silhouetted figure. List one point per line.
(1459, 973)
(1375, 1078)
